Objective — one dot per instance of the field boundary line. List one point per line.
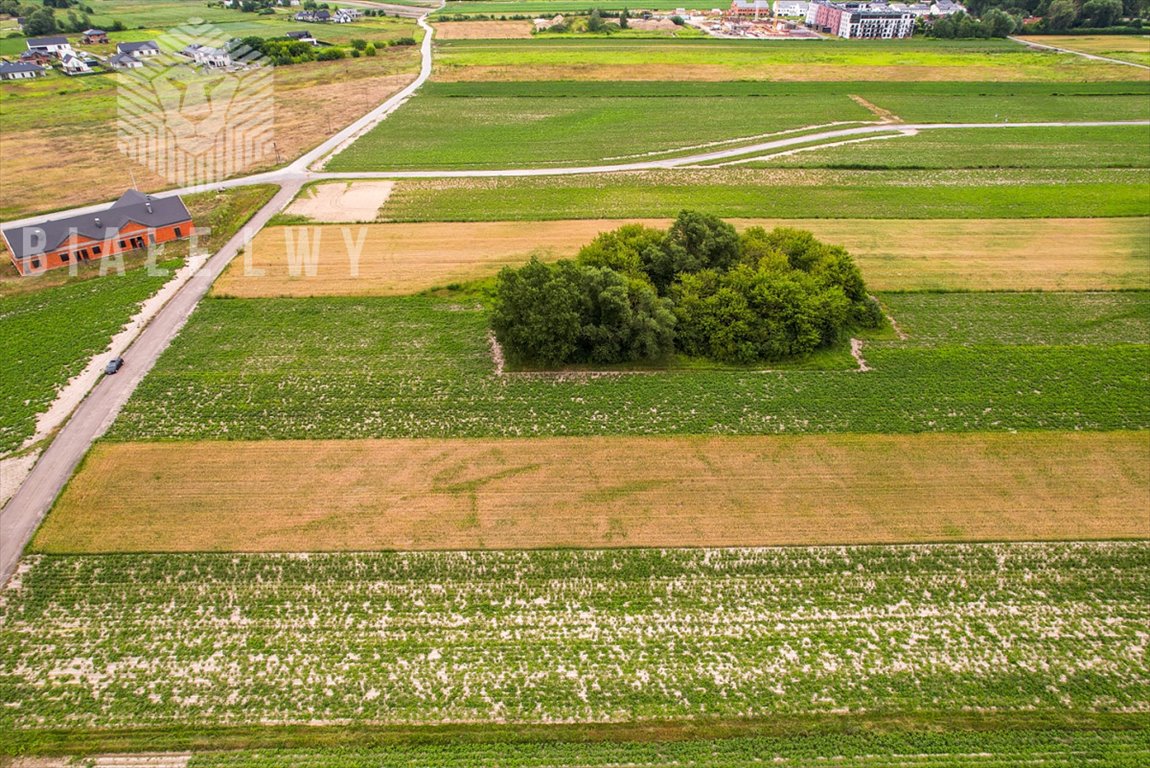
(1083, 54)
(812, 148)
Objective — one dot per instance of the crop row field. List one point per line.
(784, 193)
(341, 495)
(506, 125)
(422, 367)
(1050, 748)
(895, 255)
(52, 324)
(589, 636)
(707, 59)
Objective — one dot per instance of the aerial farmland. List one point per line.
(579, 386)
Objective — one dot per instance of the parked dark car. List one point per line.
(115, 364)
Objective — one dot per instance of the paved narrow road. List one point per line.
(95, 414)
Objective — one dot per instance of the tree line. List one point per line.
(698, 288)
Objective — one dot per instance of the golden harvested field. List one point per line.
(591, 492)
(45, 168)
(955, 254)
(483, 30)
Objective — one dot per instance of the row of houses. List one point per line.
(324, 16)
(56, 50)
(134, 221)
(800, 8)
(872, 21)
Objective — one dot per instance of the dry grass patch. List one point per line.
(49, 168)
(767, 70)
(483, 30)
(592, 492)
(956, 254)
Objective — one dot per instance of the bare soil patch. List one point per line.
(342, 201)
(593, 492)
(955, 254)
(483, 30)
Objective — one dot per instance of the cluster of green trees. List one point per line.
(283, 51)
(1056, 15)
(698, 288)
(994, 23)
(41, 19)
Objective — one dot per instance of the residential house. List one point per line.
(750, 9)
(322, 16)
(19, 70)
(303, 36)
(134, 221)
(124, 61)
(139, 50)
(71, 64)
(207, 56)
(874, 21)
(791, 8)
(35, 57)
(346, 16)
(946, 8)
(94, 37)
(55, 46)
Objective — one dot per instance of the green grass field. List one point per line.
(49, 336)
(781, 193)
(713, 59)
(593, 636)
(421, 367)
(53, 324)
(511, 125)
(1053, 748)
(503, 126)
(1125, 147)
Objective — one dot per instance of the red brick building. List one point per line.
(134, 221)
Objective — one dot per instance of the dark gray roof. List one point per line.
(147, 45)
(19, 66)
(94, 32)
(123, 59)
(34, 239)
(299, 34)
(34, 42)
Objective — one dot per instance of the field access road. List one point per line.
(95, 414)
(1083, 54)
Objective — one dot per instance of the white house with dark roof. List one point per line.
(56, 46)
(19, 70)
(139, 50)
(71, 64)
(302, 36)
(124, 61)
